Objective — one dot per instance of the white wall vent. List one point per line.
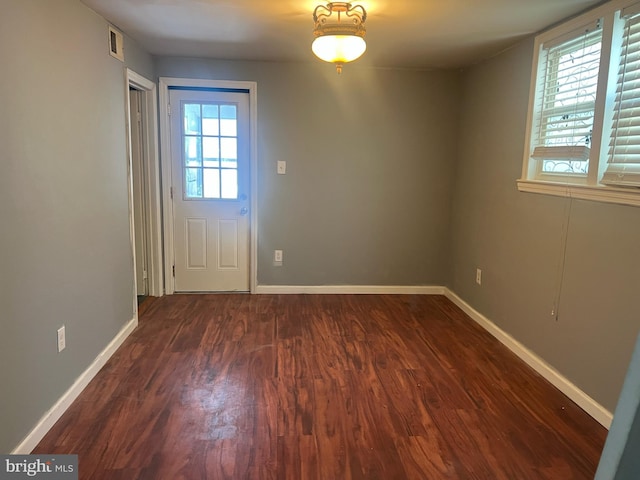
(116, 44)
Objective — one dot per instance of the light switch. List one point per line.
(282, 167)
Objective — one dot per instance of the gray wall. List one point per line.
(517, 240)
(620, 460)
(630, 462)
(66, 256)
(393, 178)
(370, 156)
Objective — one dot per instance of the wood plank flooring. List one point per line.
(327, 387)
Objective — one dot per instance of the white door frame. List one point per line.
(151, 164)
(165, 148)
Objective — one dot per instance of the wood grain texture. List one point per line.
(305, 387)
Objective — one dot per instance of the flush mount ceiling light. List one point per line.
(339, 31)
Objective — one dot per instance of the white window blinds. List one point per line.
(565, 102)
(624, 143)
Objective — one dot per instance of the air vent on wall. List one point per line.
(116, 44)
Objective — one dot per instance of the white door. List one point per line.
(210, 189)
(138, 180)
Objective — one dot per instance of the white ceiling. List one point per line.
(400, 33)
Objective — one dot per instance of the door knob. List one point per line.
(244, 211)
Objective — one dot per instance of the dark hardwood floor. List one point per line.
(320, 387)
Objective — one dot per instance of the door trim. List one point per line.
(151, 163)
(165, 147)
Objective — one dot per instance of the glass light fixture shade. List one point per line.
(339, 30)
(339, 48)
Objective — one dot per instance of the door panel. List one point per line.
(196, 243)
(211, 187)
(228, 244)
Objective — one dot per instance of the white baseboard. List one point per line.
(351, 289)
(53, 415)
(588, 404)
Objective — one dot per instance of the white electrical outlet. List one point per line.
(62, 341)
(478, 276)
(277, 257)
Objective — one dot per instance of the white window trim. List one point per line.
(583, 187)
(598, 193)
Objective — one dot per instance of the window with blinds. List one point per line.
(566, 101)
(583, 123)
(624, 142)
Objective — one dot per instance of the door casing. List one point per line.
(139, 204)
(165, 145)
(150, 160)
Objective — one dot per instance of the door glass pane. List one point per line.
(192, 119)
(229, 152)
(192, 152)
(228, 120)
(229, 183)
(210, 124)
(211, 152)
(193, 183)
(211, 183)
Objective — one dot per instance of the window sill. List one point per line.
(600, 193)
